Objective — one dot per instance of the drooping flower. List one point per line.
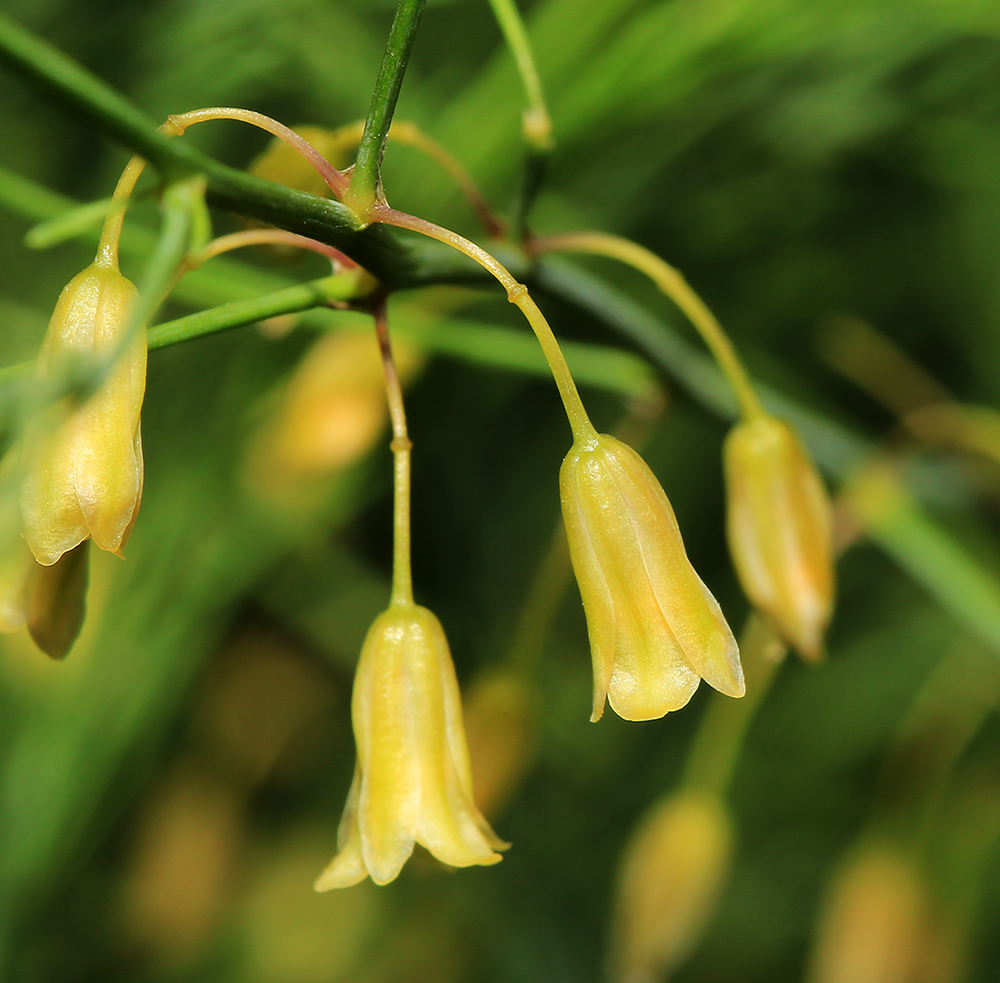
(655, 629)
(670, 878)
(412, 783)
(780, 530)
(83, 463)
(874, 924)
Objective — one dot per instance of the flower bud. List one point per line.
(412, 782)
(874, 920)
(670, 878)
(655, 629)
(780, 527)
(83, 463)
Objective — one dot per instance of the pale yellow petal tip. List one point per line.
(333, 878)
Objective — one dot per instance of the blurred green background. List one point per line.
(168, 794)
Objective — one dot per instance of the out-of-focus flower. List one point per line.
(331, 412)
(16, 562)
(412, 783)
(655, 629)
(500, 727)
(670, 878)
(283, 164)
(83, 463)
(57, 600)
(780, 530)
(873, 922)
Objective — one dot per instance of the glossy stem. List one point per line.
(402, 577)
(269, 237)
(366, 181)
(517, 294)
(335, 180)
(673, 284)
(537, 124)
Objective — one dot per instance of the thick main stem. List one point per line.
(517, 294)
(402, 577)
(365, 185)
(673, 284)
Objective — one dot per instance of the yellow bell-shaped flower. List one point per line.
(83, 463)
(655, 629)
(780, 530)
(412, 783)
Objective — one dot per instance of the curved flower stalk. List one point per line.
(779, 515)
(412, 783)
(83, 467)
(780, 527)
(655, 629)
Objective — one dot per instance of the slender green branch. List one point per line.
(536, 124)
(383, 254)
(316, 293)
(717, 745)
(366, 181)
(71, 83)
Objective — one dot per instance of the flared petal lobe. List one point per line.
(655, 629)
(83, 465)
(779, 525)
(413, 782)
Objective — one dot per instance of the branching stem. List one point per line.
(366, 182)
(517, 294)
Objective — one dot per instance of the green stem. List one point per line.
(673, 284)
(316, 293)
(517, 294)
(402, 576)
(719, 739)
(366, 181)
(317, 218)
(537, 125)
(70, 83)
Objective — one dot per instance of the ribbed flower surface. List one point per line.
(779, 525)
(83, 474)
(655, 629)
(412, 783)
